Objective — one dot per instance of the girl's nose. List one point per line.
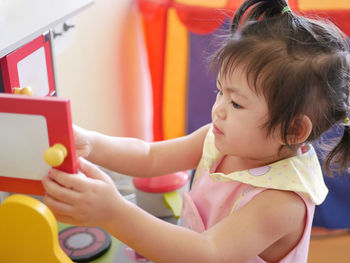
(219, 110)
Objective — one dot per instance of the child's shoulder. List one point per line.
(279, 212)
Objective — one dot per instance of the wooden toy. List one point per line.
(84, 244)
(29, 65)
(29, 232)
(34, 128)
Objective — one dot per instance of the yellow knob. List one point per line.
(17, 90)
(27, 91)
(55, 155)
(23, 91)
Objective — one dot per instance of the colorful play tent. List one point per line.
(178, 35)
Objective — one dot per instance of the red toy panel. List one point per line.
(29, 66)
(29, 126)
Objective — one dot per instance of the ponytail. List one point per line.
(259, 9)
(340, 153)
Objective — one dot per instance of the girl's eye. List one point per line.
(235, 105)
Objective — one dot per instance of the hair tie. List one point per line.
(346, 121)
(286, 9)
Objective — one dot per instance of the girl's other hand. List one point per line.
(87, 199)
(83, 141)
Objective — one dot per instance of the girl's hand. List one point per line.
(83, 141)
(89, 198)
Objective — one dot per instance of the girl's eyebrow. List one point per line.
(232, 90)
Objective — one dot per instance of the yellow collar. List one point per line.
(301, 173)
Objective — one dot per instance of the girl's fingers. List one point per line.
(58, 207)
(74, 182)
(55, 190)
(91, 170)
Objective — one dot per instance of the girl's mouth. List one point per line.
(217, 131)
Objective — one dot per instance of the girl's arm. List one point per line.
(238, 238)
(136, 157)
(95, 201)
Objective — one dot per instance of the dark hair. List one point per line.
(300, 65)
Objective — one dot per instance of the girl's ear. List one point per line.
(300, 130)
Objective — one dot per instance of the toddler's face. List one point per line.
(238, 115)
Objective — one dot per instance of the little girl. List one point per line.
(283, 80)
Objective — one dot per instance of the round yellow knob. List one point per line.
(55, 155)
(23, 91)
(17, 90)
(27, 91)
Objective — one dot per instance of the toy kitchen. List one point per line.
(35, 123)
(29, 101)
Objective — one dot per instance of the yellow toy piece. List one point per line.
(24, 91)
(54, 156)
(17, 90)
(29, 232)
(173, 200)
(27, 91)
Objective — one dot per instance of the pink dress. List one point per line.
(215, 195)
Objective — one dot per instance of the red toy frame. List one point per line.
(59, 124)
(9, 64)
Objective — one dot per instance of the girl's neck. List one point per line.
(231, 163)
